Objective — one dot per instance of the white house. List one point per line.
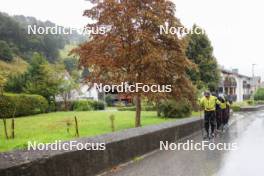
(236, 86)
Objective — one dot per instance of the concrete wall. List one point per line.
(120, 147)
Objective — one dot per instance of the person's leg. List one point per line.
(212, 121)
(206, 121)
(218, 119)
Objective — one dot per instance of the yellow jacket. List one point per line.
(209, 103)
(224, 105)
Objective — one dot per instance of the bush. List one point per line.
(87, 105)
(236, 108)
(250, 102)
(259, 102)
(131, 108)
(109, 99)
(24, 105)
(82, 105)
(173, 109)
(6, 107)
(259, 95)
(98, 105)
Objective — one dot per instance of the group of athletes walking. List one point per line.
(216, 113)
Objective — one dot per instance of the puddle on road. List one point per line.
(248, 159)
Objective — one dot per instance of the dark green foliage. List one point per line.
(5, 51)
(109, 99)
(259, 95)
(85, 73)
(70, 64)
(133, 108)
(15, 83)
(98, 105)
(173, 109)
(87, 105)
(42, 79)
(259, 102)
(7, 107)
(13, 30)
(200, 52)
(82, 105)
(236, 108)
(22, 104)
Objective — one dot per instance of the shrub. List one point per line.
(88, 105)
(259, 102)
(149, 108)
(250, 102)
(109, 99)
(24, 105)
(259, 95)
(6, 107)
(173, 109)
(131, 108)
(82, 105)
(97, 105)
(236, 108)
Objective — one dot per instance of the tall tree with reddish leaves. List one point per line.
(134, 50)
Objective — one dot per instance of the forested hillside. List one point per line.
(14, 40)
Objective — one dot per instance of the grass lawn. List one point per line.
(52, 126)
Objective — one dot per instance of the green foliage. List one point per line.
(259, 102)
(70, 64)
(200, 52)
(98, 105)
(5, 51)
(22, 104)
(82, 105)
(7, 107)
(259, 95)
(236, 107)
(43, 78)
(87, 105)
(174, 109)
(133, 108)
(250, 102)
(109, 99)
(15, 83)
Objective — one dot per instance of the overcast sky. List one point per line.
(235, 27)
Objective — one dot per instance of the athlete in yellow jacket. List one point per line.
(208, 103)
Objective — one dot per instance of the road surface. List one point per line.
(246, 130)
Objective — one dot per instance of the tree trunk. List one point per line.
(13, 129)
(138, 111)
(5, 128)
(158, 108)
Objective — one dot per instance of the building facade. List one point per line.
(236, 86)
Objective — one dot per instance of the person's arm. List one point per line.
(217, 101)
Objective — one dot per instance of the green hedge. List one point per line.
(173, 109)
(259, 95)
(133, 108)
(22, 104)
(87, 105)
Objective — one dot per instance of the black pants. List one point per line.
(221, 117)
(227, 114)
(209, 120)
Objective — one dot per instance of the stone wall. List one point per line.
(121, 146)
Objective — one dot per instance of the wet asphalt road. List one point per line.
(246, 130)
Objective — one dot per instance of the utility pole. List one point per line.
(253, 69)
